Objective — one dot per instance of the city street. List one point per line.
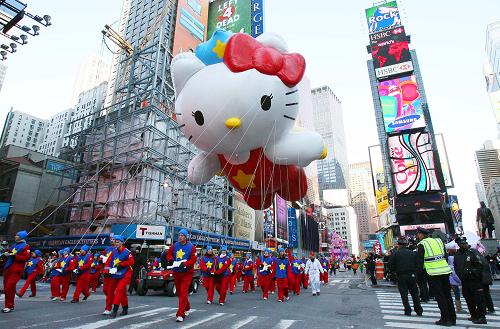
(347, 302)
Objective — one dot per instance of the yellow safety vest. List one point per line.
(434, 257)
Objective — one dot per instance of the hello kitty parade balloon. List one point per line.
(237, 100)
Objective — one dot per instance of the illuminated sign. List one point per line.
(231, 15)
(390, 52)
(382, 17)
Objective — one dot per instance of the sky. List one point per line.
(332, 35)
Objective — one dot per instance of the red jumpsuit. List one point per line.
(222, 277)
(207, 266)
(239, 270)
(106, 278)
(13, 270)
(32, 271)
(233, 268)
(305, 277)
(83, 264)
(259, 174)
(183, 276)
(95, 274)
(248, 280)
(265, 276)
(121, 259)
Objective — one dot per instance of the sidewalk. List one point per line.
(382, 283)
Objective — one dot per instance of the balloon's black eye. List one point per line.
(265, 102)
(198, 117)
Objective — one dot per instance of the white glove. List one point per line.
(113, 270)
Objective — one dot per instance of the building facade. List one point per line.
(55, 129)
(93, 71)
(3, 72)
(493, 201)
(23, 130)
(343, 221)
(492, 68)
(329, 123)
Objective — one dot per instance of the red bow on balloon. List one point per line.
(244, 53)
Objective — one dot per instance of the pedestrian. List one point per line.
(233, 268)
(265, 267)
(34, 267)
(82, 272)
(370, 268)
(139, 263)
(282, 266)
(297, 270)
(17, 255)
(314, 269)
(222, 274)
(403, 262)
(49, 266)
(247, 272)
(454, 279)
(485, 217)
(182, 257)
(355, 266)
(207, 267)
(95, 272)
(120, 270)
(432, 259)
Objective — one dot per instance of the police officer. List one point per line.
(404, 263)
(469, 265)
(432, 258)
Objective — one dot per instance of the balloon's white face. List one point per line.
(214, 100)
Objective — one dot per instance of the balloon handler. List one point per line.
(17, 256)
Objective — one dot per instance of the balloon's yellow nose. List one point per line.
(233, 123)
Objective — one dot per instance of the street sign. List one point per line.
(150, 232)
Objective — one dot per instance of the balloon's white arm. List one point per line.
(203, 167)
(299, 147)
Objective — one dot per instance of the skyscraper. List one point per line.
(55, 129)
(23, 130)
(92, 72)
(329, 123)
(492, 68)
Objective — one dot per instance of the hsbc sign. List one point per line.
(394, 69)
(150, 232)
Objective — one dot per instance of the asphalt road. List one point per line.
(346, 302)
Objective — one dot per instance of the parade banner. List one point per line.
(281, 219)
(231, 15)
(190, 25)
(293, 239)
(401, 104)
(95, 241)
(382, 17)
(269, 225)
(243, 219)
(412, 163)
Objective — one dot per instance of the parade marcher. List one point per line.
(139, 263)
(239, 270)
(282, 266)
(404, 263)
(61, 276)
(17, 256)
(355, 266)
(49, 266)
(325, 263)
(68, 265)
(314, 269)
(55, 277)
(304, 276)
(34, 267)
(233, 268)
(248, 279)
(182, 254)
(432, 259)
(95, 272)
(222, 274)
(485, 217)
(207, 266)
(296, 275)
(82, 272)
(120, 270)
(272, 282)
(106, 277)
(469, 264)
(265, 268)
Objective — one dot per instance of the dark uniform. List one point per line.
(469, 265)
(139, 261)
(404, 263)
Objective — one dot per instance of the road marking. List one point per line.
(241, 323)
(416, 325)
(284, 324)
(102, 323)
(432, 320)
(140, 325)
(400, 311)
(194, 324)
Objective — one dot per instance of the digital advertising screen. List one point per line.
(268, 220)
(281, 218)
(382, 17)
(390, 52)
(412, 163)
(191, 25)
(422, 202)
(231, 15)
(401, 104)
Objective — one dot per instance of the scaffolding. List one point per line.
(131, 162)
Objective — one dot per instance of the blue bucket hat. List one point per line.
(267, 250)
(223, 248)
(184, 232)
(67, 250)
(209, 248)
(22, 234)
(38, 253)
(96, 255)
(85, 248)
(281, 249)
(119, 238)
(60, 252)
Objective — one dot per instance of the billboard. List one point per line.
(378, 178)
(293, 239)
(190, 25)
(4, 211)
(230, 15)
(443, 159)
(412, 163)
(257, 17)
(243, 219)
(401, 104)
(382, 17)
(281, 219)
(419, 203)
(268, 219)
(456, 214)
(390, 52)
(411, 230)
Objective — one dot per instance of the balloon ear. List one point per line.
(273, 40)
(183, 67)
